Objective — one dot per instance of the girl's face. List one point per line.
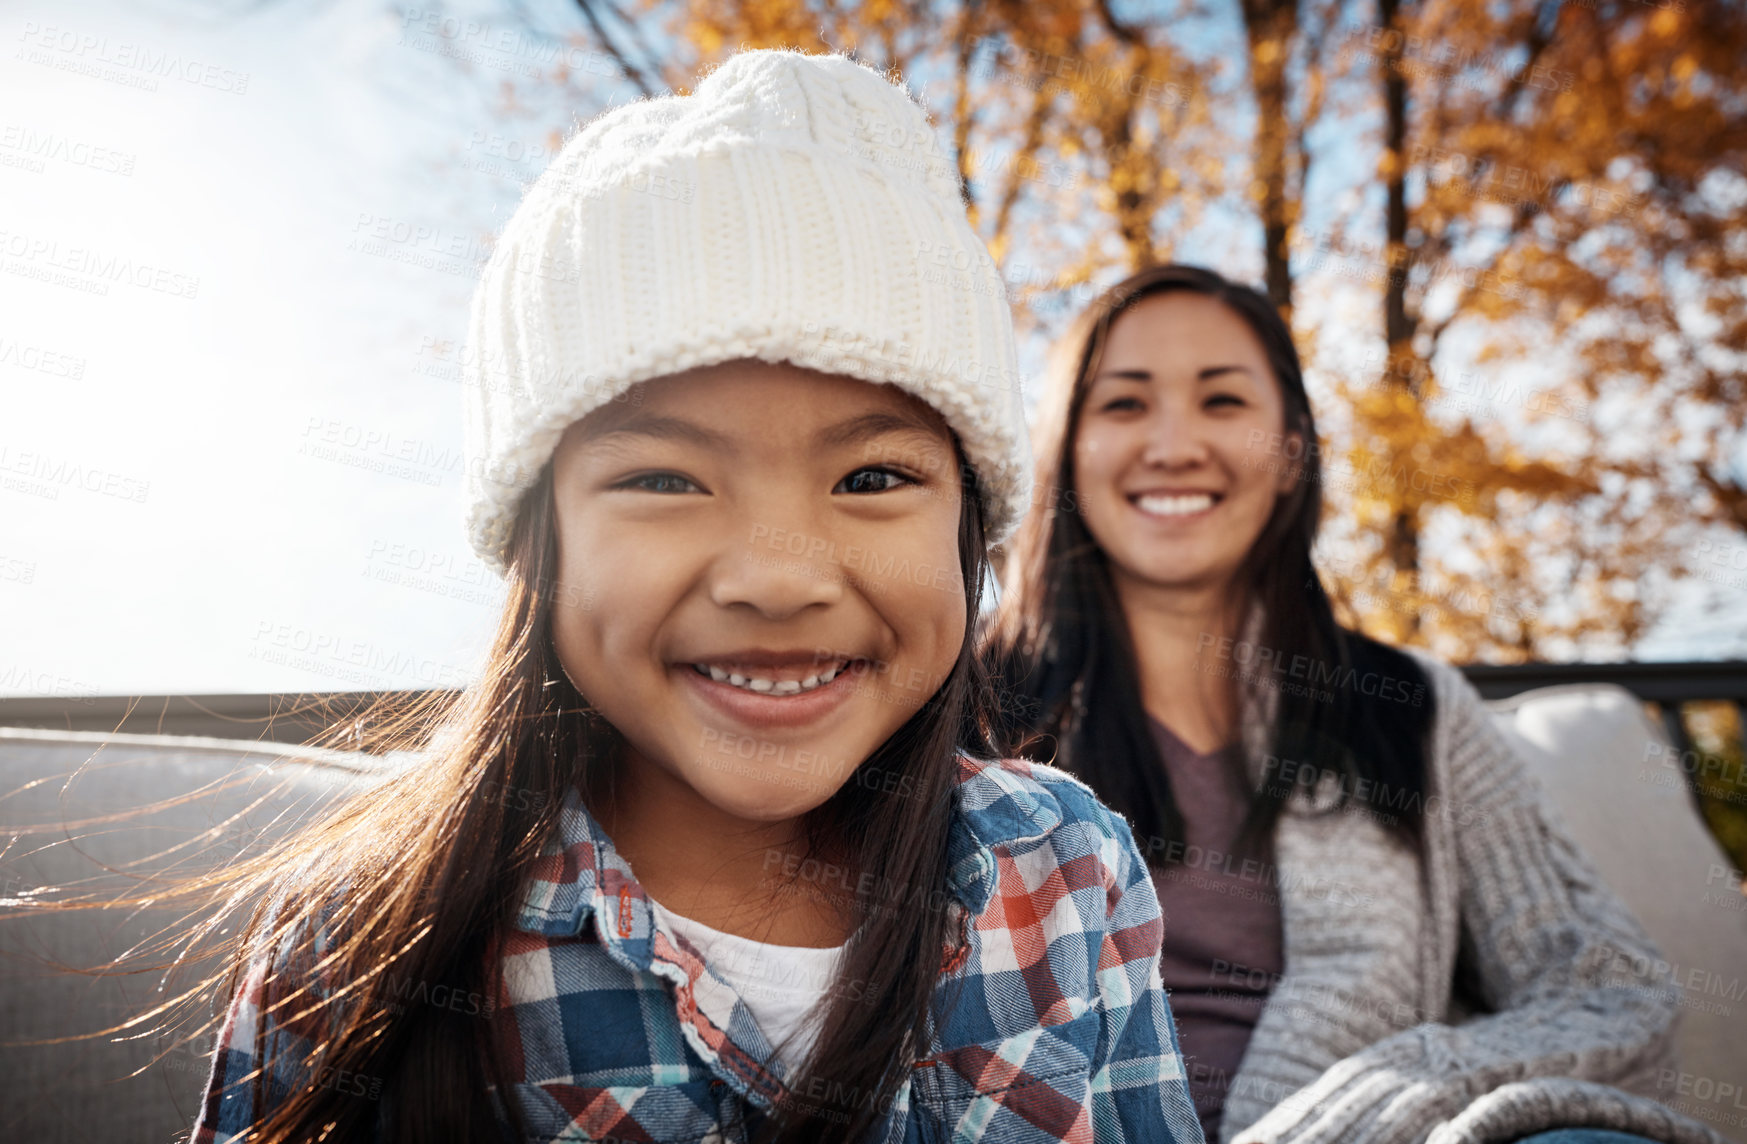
(760, 579)
(1178, 459)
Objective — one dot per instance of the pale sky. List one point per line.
(235, 258)
(236, 538)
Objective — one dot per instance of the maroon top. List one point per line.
(1223, 948)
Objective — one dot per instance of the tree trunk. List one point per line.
(1270, 26)
(1401, 364)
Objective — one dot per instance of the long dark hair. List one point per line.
(416, 879)
(1062, 652)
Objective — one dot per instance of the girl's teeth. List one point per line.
(770, 686)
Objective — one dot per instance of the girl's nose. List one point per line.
(778, 579)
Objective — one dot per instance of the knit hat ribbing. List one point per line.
(794, 208)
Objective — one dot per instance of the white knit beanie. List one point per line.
(794, 208)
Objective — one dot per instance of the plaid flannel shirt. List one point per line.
(619, 1031)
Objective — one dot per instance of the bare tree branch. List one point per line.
(631, 70)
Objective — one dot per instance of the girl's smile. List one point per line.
(775, 689)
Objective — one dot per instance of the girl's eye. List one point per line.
(1225, 399)
(1120, 403)
(872, 480)
(658, 483)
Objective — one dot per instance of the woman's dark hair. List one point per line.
(415, 880)
(1064, 658)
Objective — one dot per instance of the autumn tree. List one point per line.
(1555, 176)
(1084, 139)
(1544, 227)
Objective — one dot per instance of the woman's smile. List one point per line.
(1175, 506)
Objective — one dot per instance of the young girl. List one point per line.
(1351, 857)
(702, 855)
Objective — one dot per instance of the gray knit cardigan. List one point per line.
(1367, 1038)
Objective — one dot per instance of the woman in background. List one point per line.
(1349, 856)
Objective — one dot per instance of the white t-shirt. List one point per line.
(780, 984)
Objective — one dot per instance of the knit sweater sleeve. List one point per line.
(1574, 986)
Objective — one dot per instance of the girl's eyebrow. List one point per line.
(1206, 374)
(662, 428)
(866, 427)
(852, 431)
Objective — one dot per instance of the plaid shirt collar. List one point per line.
(1054, 1046)
(580, 873)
